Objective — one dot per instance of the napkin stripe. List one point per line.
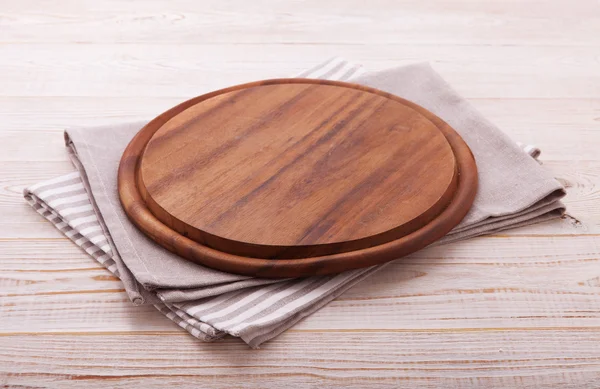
(235, 301)
(251, 313)
(203, 305)
(190, 324)
(263, 303)
(90, 248)
(239, 304)
(57, 180)
(272, 305)
(317, 70)
(286, 309)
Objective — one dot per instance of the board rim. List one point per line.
(134, 203)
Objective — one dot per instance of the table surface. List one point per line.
(520, 308)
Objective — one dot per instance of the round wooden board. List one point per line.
(296, 177)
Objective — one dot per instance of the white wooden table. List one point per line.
(518, 309)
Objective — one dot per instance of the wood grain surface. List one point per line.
(322, 176)
(296, 165)
(516, 309)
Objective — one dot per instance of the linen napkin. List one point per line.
(514, 190)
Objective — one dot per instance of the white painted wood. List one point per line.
(481, 283)
(132, 70)
(332, 22)
(298, 359)
(518, 309)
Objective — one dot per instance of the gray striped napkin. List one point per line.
(83, 205)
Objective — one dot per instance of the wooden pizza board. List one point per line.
(296, 177)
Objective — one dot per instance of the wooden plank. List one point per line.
(43, 255)
(474, 284)
(42, 281)
(552, 358)
(33, 146)
(339, 22)
(15, 175)
(42, 114)
(560, 127)
(17, 218)
(187, 70)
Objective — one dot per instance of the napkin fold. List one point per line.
(514, 190)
